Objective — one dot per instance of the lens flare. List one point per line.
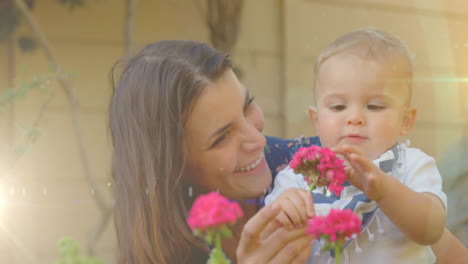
(3, 200)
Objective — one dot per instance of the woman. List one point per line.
(182, 125)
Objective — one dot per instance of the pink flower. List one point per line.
(213, 210)
(320, 167)
(336, 227)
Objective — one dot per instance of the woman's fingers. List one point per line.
(302, 257)
(285, 220)
(295, 251)
(281, 246)
(271, 227)
(281, 239)
(250, 236)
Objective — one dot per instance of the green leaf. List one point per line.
(197, 232)
(8, 95)
(69, 253)
(218, 257)
(68, 247)
(226, 232)
(73, 74)
(20, 150)
(209, 237)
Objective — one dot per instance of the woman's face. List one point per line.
(225, 143)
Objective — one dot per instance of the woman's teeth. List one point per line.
(253, 165)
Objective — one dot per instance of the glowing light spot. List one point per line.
(3, 200)
(441, 80)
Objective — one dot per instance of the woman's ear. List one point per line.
(313, 118)
(408, 121)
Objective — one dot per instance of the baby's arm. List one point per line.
(419, 215)
(450, 250)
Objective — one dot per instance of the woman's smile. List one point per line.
(253, 165)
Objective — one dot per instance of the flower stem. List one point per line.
(218, 242)
(311, 187)
(337, 254)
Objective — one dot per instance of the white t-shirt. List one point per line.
(380, 241)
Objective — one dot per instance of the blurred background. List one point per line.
(55, 58)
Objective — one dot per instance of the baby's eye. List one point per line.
(374, 107)
(338, 107)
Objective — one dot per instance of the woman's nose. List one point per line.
(253, 139)
(256, 118)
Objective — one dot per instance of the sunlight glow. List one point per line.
(3, 200)
(442, 80)
(16, 242)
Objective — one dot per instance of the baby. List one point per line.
(363, 96)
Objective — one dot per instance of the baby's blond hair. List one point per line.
(369, 43)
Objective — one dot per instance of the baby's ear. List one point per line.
(313, 117)
(408, 121)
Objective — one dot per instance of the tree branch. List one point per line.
(129, 27)
(72, 100)
(11, 76)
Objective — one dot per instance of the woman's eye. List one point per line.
(220, 139)
(338, 107)
(375, 107)
(249, 102)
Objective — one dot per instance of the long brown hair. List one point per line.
(150, 103)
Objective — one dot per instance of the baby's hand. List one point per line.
(297, 206)
(361, 172)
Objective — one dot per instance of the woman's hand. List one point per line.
(264, 241)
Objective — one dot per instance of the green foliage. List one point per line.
(31, 135)
(72, 4)
(70, 254)
(37, 83)
(8, 97)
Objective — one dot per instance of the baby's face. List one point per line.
(362, 102)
